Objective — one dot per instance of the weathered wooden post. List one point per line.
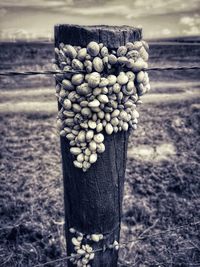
(93, 199)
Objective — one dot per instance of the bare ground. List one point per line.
(161, 191)
(42, 99)
(162, 179)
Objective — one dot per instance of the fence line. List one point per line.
(122, 244)
(52, 72)
(142, 236)
(137, 239)
(150, 42)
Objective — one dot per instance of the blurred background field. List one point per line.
(19, 56)
(162, 178)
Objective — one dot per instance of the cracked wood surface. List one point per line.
(93, 200)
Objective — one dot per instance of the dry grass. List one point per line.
(38, 56)
(162, 187)
(158, 194)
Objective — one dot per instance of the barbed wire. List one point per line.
(150, 42)
(122, 244)
(137, 239)
(174, 68)
(156, 264)
(46, 72)
(141, 236)
(53, 72)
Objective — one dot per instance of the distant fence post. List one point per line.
(93, 199)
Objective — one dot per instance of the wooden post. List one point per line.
(93, 199)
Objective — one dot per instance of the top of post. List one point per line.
(111, 36)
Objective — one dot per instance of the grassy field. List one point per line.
(38, 56)
(162, 177)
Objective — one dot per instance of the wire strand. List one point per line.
(139, 238)
(53, 72)
(122, 244)
(46, 72)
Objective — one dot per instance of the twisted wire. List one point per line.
(122, 244)
(53, 72)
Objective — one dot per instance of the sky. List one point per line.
(35, 19)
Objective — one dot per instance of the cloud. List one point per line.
(158, 18)
(35, 3)
(102, 10)
(3, 12)
(130, 9)
(190, 24)
(159, 7)
(14, 34)
(166, 31)
(187, 21)
(192, 31)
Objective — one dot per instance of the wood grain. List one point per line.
(93, 200)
